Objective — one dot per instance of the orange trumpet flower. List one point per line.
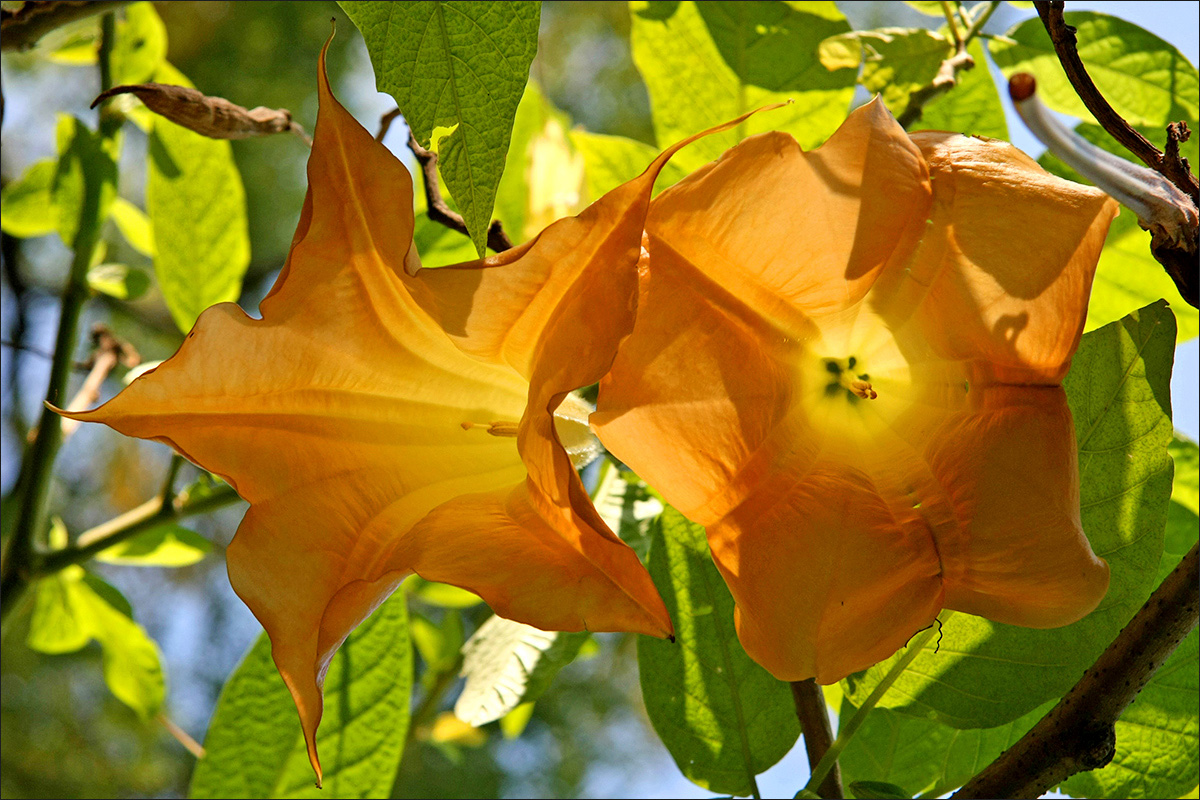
(846, 365)
(382, 423)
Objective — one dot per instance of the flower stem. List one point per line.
(852, 725)
(39, 463)
(148, 515)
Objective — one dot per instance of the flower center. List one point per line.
(846, 381)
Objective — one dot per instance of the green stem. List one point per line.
(949, 14)
(148, 515)
(847, 731)
(980, 21)
(39, 463)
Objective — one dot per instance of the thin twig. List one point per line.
(1179, 261)
(1078, 734)
(1062, 36)
(945, 80)
(147, 516)
(385, 123)
(947, 74)
(818, 733)
(180, 735)
(847, 728)
(109, 351)
(436, 206)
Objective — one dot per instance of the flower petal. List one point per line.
(1019, 554)
(827, 582)
(744, 255)
(789, 231)
(1009, 279)
(362, 435)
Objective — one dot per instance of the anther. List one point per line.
(863, 389)
(1160, 206)
(500, 428)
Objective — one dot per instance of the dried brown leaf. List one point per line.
(214, 117)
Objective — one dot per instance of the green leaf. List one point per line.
(986, 674)
(930, 8)
(508, 663)
(118, 280)
(61, 620)
(27, 204)
(134, 225)
(85, 181)
(439, 245)
(922, 753)
(610, 161)
(140, 47)
(254, 747)
(169, 545)
(441, 594)
(71, 608)
(706, 63)
(438, 644)
(723, 718)
(543, 176)
(1147, 81)
(513, 724)
(1187, 471)
(896, 61)
(1128, 277)
(877, 790)
(197, 208)
(972, 107)
(460, 65)
(1158, 736)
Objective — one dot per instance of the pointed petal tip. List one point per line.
(62, 412)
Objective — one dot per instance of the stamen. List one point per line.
(500, 428)
(863, 389)
(1158, 203)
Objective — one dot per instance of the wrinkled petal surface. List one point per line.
(381, 423)
(846, 365)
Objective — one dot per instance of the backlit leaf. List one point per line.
(134, 225)
(1147, 81)
(1158, 736)
(118, 280)
(704, 63)
(140, 46)
(460, 65)
(27, 204)
(254, 747)
(972, 107)
(723, 718)
(627, 506)
(896, 61)
(986, 674)
(508, 663)
(165, 546)
(71, 608)
(197, 209)
(922, 754)
(609, 161)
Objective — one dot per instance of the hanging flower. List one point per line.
(383, 420)
(847, 365)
